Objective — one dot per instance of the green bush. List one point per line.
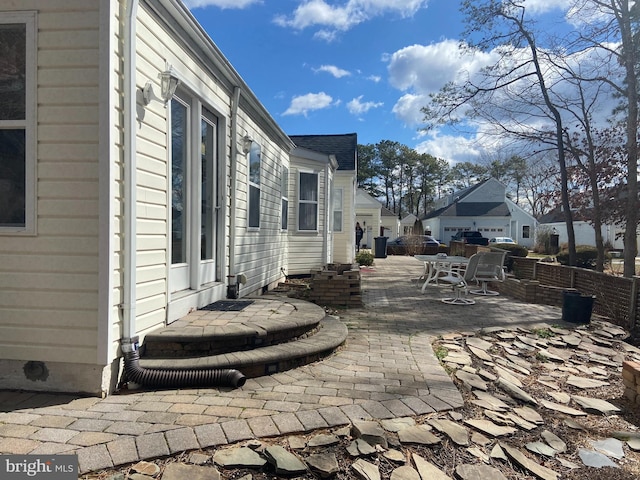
(585, 257)
(514, 251)
(364, 258)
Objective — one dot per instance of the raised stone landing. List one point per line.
(266, 337)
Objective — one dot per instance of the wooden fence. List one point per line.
(616, 297)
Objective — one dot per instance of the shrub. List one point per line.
(585, 256)
(364, 258)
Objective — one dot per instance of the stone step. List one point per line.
(213, 333)
(329, 334)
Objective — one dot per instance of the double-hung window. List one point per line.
(284, 192)
(337, 209)
(254, 185)
(17, 122)
(308, 201)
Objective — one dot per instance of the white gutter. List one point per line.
(235, 101)
(130, 179)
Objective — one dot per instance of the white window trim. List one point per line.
(29, 123)
(316, 202)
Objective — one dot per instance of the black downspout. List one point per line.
(175, 378)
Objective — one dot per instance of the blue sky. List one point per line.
(342, 66)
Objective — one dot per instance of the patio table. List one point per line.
(437, 265)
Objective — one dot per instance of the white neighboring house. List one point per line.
(345, 149)
(390, 223)
(483, 207)
(311, 215)
(584, 232)
(375, 219)
(130, 204)
(407, 225)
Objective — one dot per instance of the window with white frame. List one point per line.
(307, 201)
(337, 209)
(526, 231)
(17, 122)
(284, 192)
(254, 185)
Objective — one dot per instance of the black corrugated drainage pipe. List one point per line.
(174, 378)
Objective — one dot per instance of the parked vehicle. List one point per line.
(413, 245)
(471, 237)
(502, 240)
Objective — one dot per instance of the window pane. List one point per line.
(178, 182)
(207, 130)
(308, 186)
(254, 163)
(285, 214)
(254, 207)
(308, 216)
(13, 77)
(284, 182)
(12, 178)
(337, 221)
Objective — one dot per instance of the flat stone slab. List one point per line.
(562, 408)
(515, 391)
(595, 405)
(490, 428)
(404, 473)
(582, 382)
(471, 380)
(418, 434)
(525, 462)
(595, 459)
(366, 470)
(428, 469)
(370, 432)
(611, 447)
(324, 464)
(456, 432)
(182, 471)
(284, 462)
(478, 472)
(241, 457)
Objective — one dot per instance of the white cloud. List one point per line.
(331, 19)
(333, 70)
(407, 108)
(453, 148)
(303, 104)
(239, 4)
(543, 6)
(358, 107)
(427, 68)
(374, 78)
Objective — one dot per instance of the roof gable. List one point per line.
(344, 147)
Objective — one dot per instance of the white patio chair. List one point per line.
(459, 282)
(490, 269)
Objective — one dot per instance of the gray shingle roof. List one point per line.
(344, 147)
(472, 209)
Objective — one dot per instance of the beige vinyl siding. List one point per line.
(261, 253)
(344, 242)
(49, 281)
(306, 249)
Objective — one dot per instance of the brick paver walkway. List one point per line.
(386, 369)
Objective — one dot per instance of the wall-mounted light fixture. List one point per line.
(246, 142)
(168, 84)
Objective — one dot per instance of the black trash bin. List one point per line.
(576, 308)
(380, 247)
